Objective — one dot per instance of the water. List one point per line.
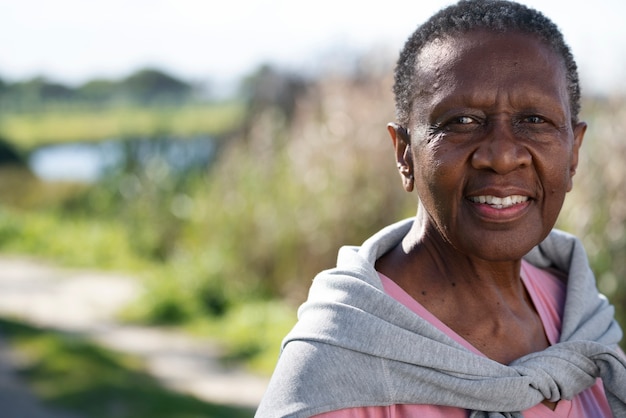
(81, 162)
(89, 161)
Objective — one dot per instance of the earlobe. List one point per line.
(404, 159)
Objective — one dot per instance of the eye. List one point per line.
(462, 124)
(464, 120)
(534, 119)
(458, 122)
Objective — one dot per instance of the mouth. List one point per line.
(499, 202)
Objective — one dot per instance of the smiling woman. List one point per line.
(482, 155)
(477, 306)
(471, 138)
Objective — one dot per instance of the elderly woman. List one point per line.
(476, 304)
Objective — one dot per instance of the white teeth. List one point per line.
(500, 202)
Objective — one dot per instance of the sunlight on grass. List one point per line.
(251, 332)
(65, 240)
(28, 130)
(71, 373)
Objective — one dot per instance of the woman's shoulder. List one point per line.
(333, 375)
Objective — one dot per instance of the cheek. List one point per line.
(556, 184)
(559, 178)
(438, 181)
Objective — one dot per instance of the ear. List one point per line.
(404, 158)
(579, 133)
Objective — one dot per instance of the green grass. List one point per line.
(68, 241)
(29, 130)
(251, 332)
(69, 372)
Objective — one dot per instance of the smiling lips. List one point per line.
(499, 202)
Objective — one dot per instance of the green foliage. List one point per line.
(98, 91)
(251, 332)
(147, 86)
(72, 373)
(183, 290)
(10, 155)
(31, 93)
(67, 240)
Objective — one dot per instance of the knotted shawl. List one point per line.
(356, 346)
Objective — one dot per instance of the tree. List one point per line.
(98, 91)
(149, 86)
(36, 91)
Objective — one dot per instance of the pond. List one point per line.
(90, 161)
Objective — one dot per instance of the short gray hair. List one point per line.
(469, 15)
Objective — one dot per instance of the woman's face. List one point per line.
(493, 146)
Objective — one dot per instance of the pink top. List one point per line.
(548, 294)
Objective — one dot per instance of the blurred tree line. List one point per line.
(147, 86)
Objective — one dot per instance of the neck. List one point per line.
(483, 301)
(426, 250)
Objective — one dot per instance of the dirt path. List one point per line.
(86, 302)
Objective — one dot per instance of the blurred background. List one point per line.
(218, 154)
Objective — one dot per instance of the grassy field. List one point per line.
(79, 123)
(69, 372)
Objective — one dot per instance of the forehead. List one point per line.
(489, 60)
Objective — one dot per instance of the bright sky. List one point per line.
(221, 40)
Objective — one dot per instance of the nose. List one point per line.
(501, 150)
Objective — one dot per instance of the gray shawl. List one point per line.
(356, 346)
